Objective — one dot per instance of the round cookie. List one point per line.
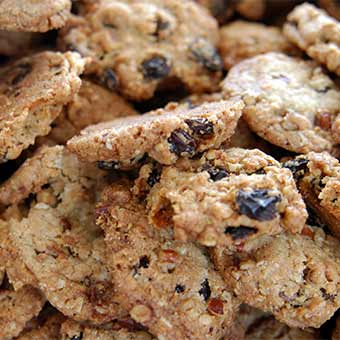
(139, 46)
(59, 241)
(228, 198)
(33, 91)
(289, 102)
(167, 286)
(32, 15)
(295, 277)
(164, 134)
(316, 33)
(240, 40)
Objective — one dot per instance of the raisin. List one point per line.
(110, 79)
(77, 337)
(155, 68)
(21, 71)
(240, 232)
(105, 165)
(155, 175)
(205, 291)
(144, 262)
(179, 288)
(206, 54)
(297, 166)
(182, 143)
(161, 25)
(75, 7)
(326, 295)
(257, 204)
(200, 126)
(216, 174)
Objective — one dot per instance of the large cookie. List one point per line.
(169, 287)
(164, 134)
(289, 102)
(138, 46)
(59, 241)
(33, 15)
(33, 91)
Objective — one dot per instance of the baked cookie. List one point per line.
(138, 46)
(318, 179)
(59, 241)
(332, 7)
(167, 286)
(295, 277)
(163, 134)
(33, 91)
(32, 15)
(17, 308)
(91, 105)
(289, 102)
(240, 40)
(228, 198)
(316, 33)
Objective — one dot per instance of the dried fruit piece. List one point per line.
(182, 143)
(205, 291)
(200, 126)
(240, 232)
(155, 68)
(108, 165)
(216, 306)
(296, 166)
(217, 174)
(110, 79)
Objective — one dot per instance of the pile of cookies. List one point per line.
(169, 169)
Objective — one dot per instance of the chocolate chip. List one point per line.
(240, 232)
(21, 71)
(155, 68)
(200, 126)
(216, 174)
(179, 288)
(155, 175)
(105, 165)
(110, 79)
(206, 54)
(297, 166)
(257, 204)
(205, 291)
(181, 143)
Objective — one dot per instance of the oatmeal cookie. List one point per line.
(230, 199)
(168, 286)
(32, 15)
(59, 241)
(289, 102)
(163, 134)
(138, 46)
(295, 277)
(240, 40)
(33, 91)
(316, 33)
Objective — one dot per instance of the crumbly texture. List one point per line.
(91, 105)
(32, 15)
(289, 102)
(295, 277)
(332, 7)
(138, 46)
(164, 134)
(230, 199)
(60, 243)
(240, 40)
(316, 33)
(32, 93)
(318, 179)
(169, 287)
(17, 308)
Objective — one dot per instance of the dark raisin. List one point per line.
(326, 295)
(155, 68)
(161, 25)
(297, 166)
(110, 79)
(21, 71)
(181, 143)
(155, 175)
(257, 204)
(144, 262)
(205, 291)
(201, 126)
(206, 54)
(77, 337)
(75, 7)
(240, 232)
(216, 174)
(179, 288)
(104, 165)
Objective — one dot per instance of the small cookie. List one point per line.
(229, 198)
(289, 102)
(33, 91)
(138, 46)
(240, 40)
(318, 179)
(295, 277)
(167, 286)
(59, 241)
(316, 33)
(91, 105)
(164, 134)
(32, 15)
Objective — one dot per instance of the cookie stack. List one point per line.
(169, 170)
